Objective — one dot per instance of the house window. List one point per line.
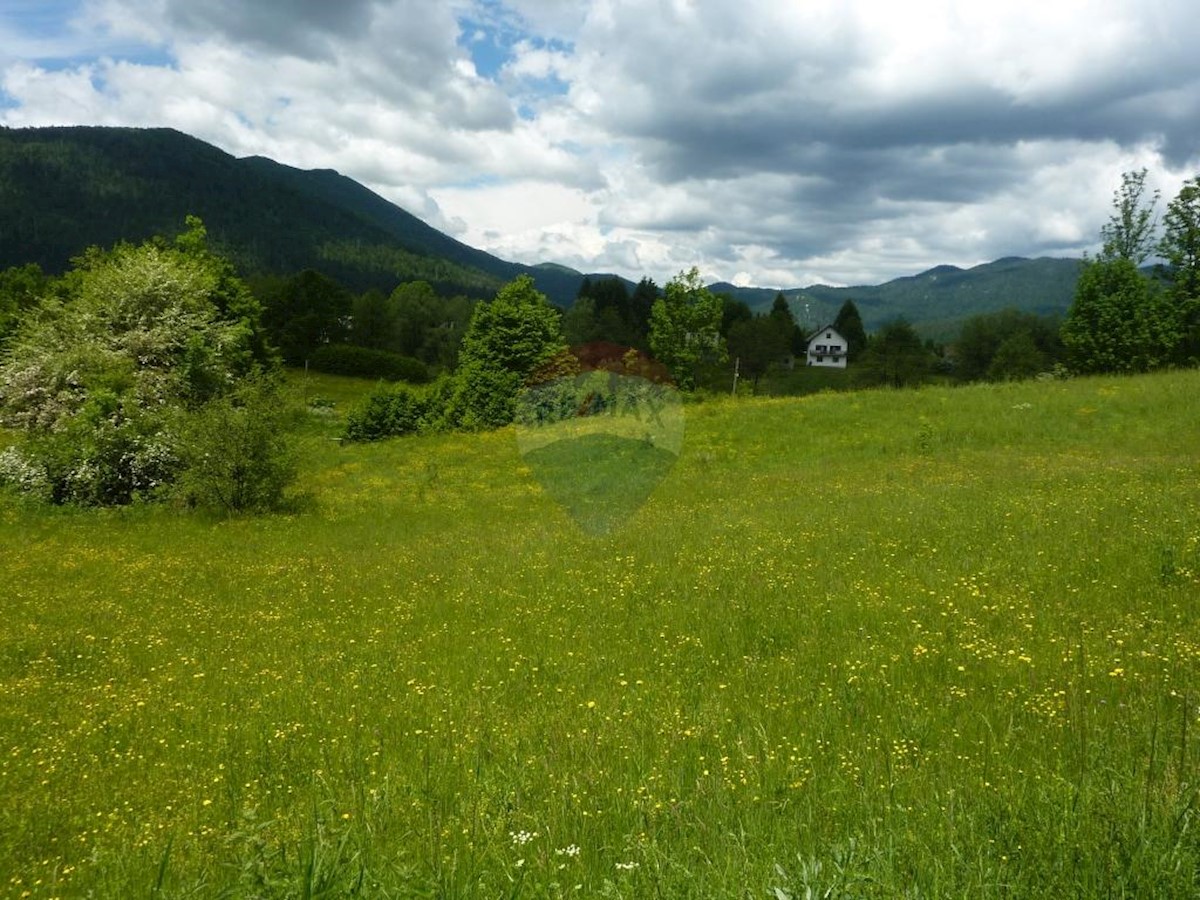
(835, 348)
(829, 334)
(820, 359)
(820, 348)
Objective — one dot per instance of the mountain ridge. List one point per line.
(936, 299)
(64, 188)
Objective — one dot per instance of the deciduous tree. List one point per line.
(372, 321)
(895, 357)
(508, 338)
(305, 311)
(1017, 357)
(685, 327)
(760, 343)
(1130, 232)
(1120, 321)
(1180, 248)
(982, 336)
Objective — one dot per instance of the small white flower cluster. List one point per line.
(17, 470)
(521, 838)
(570, 850)
(627, 866)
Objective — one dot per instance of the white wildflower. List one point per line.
(521, 838)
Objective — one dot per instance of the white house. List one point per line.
(827, 348)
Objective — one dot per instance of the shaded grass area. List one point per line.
(804, 379)
(928, 643)
(326, 397)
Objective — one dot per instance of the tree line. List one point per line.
(153, 370)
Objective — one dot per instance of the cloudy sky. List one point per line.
(769, 142)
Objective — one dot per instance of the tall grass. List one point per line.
(930, 643)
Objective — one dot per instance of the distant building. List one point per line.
(827, 348)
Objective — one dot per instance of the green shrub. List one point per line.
(236, 453)
(363, 362)
(109, 454)
(98, 377)
(394, 410)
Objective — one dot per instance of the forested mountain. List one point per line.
(63, 189)
(937, 300)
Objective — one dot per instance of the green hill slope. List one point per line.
(63, 189)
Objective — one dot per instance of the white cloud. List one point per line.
(513, 207)
(776, 143)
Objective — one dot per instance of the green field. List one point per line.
(935, 643)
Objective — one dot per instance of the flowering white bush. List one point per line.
(97, 376)
(17, 470)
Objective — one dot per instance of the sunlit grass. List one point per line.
(937, 643)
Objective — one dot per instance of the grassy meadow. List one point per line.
(930, 643)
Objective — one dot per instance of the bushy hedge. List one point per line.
(392, 410)
(121, 357)
(594, 393)
(362, 362)
(110, 454)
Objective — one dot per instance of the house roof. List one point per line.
(824, 328)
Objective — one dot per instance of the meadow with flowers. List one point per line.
(936, 643)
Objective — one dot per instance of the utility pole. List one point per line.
(737, 366)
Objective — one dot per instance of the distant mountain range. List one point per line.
(64, 189)
(937, 301)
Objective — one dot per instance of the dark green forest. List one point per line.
(65, 189)
(172, 326)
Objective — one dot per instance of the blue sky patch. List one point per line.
(41, 18)
(140, 56)
(478, 181)
(47, 24)
(490, 35)
(488, 51)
